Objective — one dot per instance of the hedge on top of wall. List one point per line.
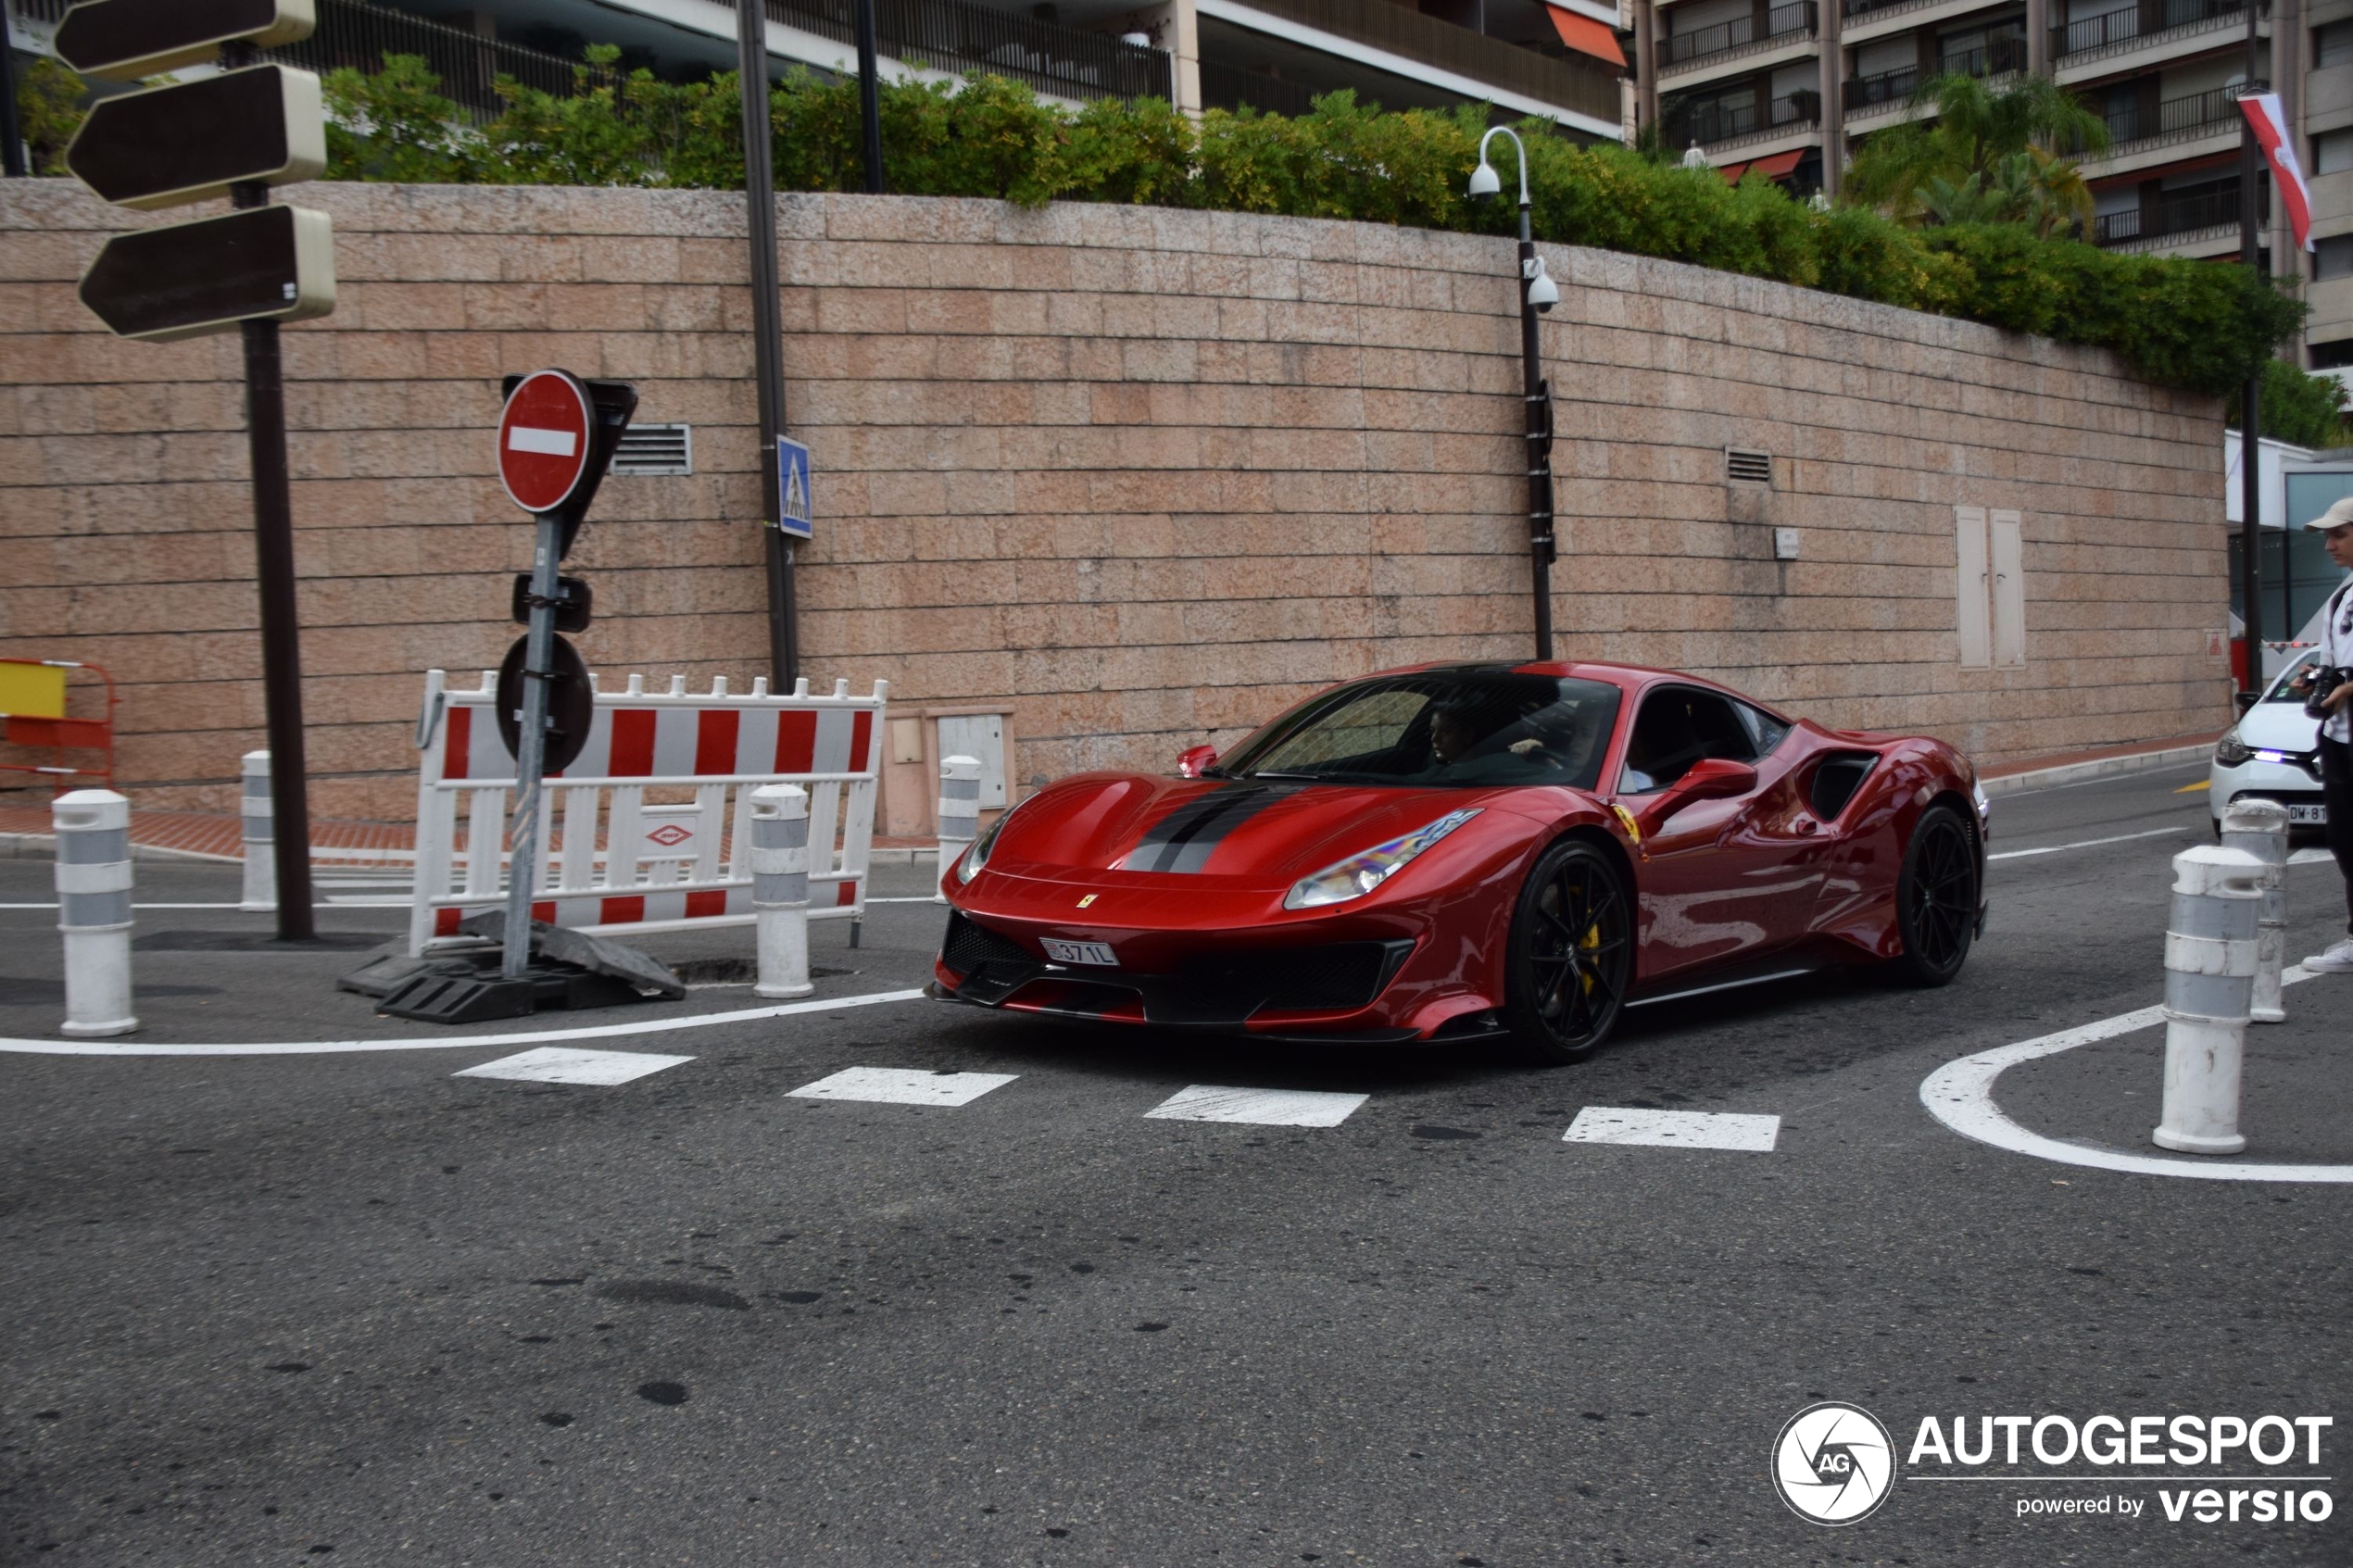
(2192, 324)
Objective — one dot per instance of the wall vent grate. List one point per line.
(652, 451)
(1742, 466)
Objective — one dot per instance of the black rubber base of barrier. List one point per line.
(456, 991)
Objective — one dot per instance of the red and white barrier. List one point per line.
(614, 863)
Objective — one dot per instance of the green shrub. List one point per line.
(2186, 323)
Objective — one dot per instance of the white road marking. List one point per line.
(904, 1086)
(1960, 1095)
(453, 1042)
(2311, 858)
(1673, 1129)
(1259, 1107)
(551, 1064)
(550, 442)
(2089, 842)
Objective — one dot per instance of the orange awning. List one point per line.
(1587, 36)
(1777, 167)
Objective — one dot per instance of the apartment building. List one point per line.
(1559, 60)
(1791, 89)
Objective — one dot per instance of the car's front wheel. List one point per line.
(1936, 899)
(1572, 954)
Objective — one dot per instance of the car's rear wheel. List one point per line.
(1572, 953)
(1936, 899)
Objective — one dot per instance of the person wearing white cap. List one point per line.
(2335, 659)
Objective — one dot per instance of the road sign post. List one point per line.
(555, 438)
(236, 132)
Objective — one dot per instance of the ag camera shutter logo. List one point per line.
(1834, 1463)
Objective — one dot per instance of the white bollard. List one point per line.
(959, 813)
(2259, 827)
(2209, 984)
(94, 909)
(780, 889)
(260, 840)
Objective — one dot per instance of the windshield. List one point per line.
(2280, 691)
(1481, 724)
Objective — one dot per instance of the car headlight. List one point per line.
(2231, 752)
(1359, 874)
(977, 855)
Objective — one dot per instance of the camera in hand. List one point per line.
(2325, 680)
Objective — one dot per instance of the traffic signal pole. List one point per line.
(531, 748)
(2251, 395)
(281, 616)
(767, 333)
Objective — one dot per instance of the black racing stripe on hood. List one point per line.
(1183, 840)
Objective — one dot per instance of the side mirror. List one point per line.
(2246, 701)
(1710, 778)
(1194, 761)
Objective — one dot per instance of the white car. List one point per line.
(2272, 753)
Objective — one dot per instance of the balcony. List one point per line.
(944, 34)
(1727, 121)
(1791, 23)
(1233, 87)
(950, 36)
(1571, 84)
(2187, 212)
(2131, 130)
(1996, 56)
(1892, 88)
(2146, 22)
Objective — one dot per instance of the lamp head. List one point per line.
(1542, 293)
(1483, 181)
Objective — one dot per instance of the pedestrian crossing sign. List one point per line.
(792, 488)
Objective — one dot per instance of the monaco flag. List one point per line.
(2263, 113)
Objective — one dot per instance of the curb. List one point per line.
(2100, 768)
(43, 846)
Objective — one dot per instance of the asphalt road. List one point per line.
(263, 1309)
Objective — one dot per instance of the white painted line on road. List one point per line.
(551, 1064)
(1960, 1095)
(2090, 843)
(1673, 1129)
(454, 1042)
(904, 1086)
(1259, 1107)
(2310, 858)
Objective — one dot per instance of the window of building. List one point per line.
(2335, 355)
(2333, 152)
(2332, 44)
(2333, 259)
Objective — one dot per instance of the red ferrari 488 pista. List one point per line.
(1470, 850)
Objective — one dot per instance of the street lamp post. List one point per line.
(2250, 395)
(1537, 293)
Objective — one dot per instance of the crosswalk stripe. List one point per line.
(554, 1064)
(1263, 1107)
(903, 1085)
(1673, 1129)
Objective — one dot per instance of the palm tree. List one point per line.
(1969, 153)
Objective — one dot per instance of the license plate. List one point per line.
(2315, 816)
(1080, 952)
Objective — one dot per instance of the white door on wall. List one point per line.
(2008, 590)
(1969, 587)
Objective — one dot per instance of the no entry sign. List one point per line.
(542, 440)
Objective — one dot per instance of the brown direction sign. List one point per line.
(123, 40)
(191, 142)
(266, 263)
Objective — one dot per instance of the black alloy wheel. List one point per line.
(1936, 899)
(1572, 954)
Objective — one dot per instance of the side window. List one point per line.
(1765, 731)
(1678, 726)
